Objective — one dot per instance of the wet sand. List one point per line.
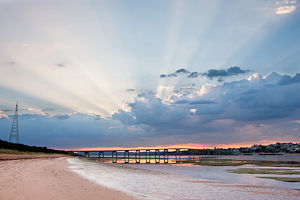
(48, 178)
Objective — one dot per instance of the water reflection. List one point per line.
(125, 157)
(219, 173)
(141, 160)
(287, 157)
(170, 164)
(146, 160)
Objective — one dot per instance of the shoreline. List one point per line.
(48, 177)
(67, 177)
(153, 184)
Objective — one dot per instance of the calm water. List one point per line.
(263, 157)
(220, 174)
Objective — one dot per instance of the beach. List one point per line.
(48, 178)
(79, 178)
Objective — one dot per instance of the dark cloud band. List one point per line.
(212, 73)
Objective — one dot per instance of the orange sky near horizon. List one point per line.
(182, 146)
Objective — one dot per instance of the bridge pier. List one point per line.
(200, 154)
(114, 159)
(157, 152)
(192, 152)
(148, 151)
(126, 153)
(177, 155)
(101, 153)
(137, 152)
(166, 154)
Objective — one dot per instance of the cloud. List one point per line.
(285, 80)
(182, 71)
(97, 117)
(169, 75)
(285, 9)
(215, 73)
(148, 109)
(252, 109)
(223, 73)
(37, 110)
(48, 109)
(222, 110)
(12, 63)
(130, 90)
(175, 74)
(6, 110)
(2, 115)
(193, 75)
(61, 65)
(194, 102)
(255, 77)
(272, 97)
(212, 73)
(76, 131)
(62, 117)
(283, 2)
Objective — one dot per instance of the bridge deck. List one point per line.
(136, 149)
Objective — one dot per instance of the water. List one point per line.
(263, 157)
(181, 181)
(219, 173)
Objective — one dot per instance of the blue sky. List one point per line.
(145, 73)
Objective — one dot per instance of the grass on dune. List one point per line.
(16, 152)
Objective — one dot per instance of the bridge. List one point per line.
(158, 154)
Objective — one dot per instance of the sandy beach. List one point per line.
(4, 156)
(48, 178)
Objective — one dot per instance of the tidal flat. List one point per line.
(265, 171)
(218, 168)
(177, 181)
(230, 162)
(283, 179)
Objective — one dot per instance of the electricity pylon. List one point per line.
(14, 133)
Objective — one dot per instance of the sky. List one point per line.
(132, 73)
